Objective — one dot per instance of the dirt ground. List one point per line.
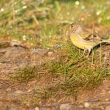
(20, 96)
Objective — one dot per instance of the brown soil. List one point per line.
(20, 96)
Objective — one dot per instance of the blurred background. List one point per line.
(43, 23)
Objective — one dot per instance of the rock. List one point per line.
(108, 107)
(66, 106)
(81, 106)
(50, 54)
(86, 104)
(37, 108)
(15, 43)
(40, 52)
(18, 92)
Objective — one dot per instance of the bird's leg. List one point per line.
(89, 51)
(84, 52)
(93, 31)
(79, 51)
(92, 57)
(100, 55)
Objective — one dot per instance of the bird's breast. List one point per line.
(79, 42)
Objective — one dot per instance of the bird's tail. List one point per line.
(102, 42)
(105, 41)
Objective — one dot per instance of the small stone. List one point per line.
(15, 43)
(107, 99)
(81, 106)
(18, 92)
(29, 90)
(8, 89)
(37, 108)
(66, 106)
(50, 54)
(86, 104)
(108, 107)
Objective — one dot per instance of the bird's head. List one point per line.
(75, 28)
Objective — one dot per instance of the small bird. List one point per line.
(78, 38)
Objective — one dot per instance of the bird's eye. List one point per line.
(72, 25)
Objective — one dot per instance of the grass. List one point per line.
(25, 74)
(69, 74)
(45, 24)
(43, 21)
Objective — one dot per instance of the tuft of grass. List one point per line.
(78, 72)
(68, 73)
(25, 74)
(76, 80)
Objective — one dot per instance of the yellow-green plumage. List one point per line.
(79, 42)
(77, 38)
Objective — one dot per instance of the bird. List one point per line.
(78, 38)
